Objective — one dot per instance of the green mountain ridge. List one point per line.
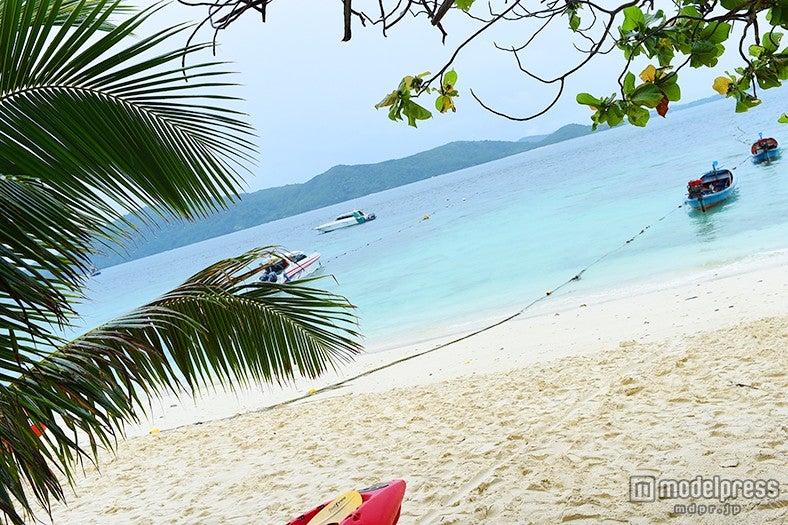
(338, 184)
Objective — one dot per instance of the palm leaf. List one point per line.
(87, 123)
(88, 131)
(219, 327)
(66, 8)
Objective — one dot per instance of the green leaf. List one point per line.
(767, 79)
(647, 94)
(395, 112)
(690, 11)
(671, 90)
(745, 101)
(633, 18)
(783, 119)
(414, 112)
(778, 15)
(588, 100)
(574, 21)
(665, 55)
(450, 78)
(637, 115)
(465, 5)
(771, 41)
(629, 83)
(705, 53)
(715, 32)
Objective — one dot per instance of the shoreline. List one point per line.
(561, 326)
(565, 300)
(543, 419)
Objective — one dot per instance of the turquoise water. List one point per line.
(501, 234)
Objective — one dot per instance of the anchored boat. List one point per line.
(712, 188)
(764, 149)
(289, 266)
(348, 219)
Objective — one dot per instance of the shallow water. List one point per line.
(499, 235)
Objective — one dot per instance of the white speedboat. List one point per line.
(348, 219)
(290, 266)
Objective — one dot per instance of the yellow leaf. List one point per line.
(389, 100)
(407, 82)
(649, 74)
(447, 104)
(722, 85)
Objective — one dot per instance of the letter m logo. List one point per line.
(642, 489)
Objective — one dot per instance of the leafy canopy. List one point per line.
(667, 36)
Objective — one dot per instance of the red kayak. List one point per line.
(378, 505)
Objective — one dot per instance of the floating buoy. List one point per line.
(427, 216)
(311, 391)
(154, 430)
(549, 292)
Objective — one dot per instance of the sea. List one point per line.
(462, 248)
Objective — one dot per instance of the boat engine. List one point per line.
(694, 188)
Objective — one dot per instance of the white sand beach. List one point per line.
(542, 419)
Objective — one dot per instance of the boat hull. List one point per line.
(302, 268)
(380, 506)
(343, 221)
(709, 201)
(766, 156)
(335, 225)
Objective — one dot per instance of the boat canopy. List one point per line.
(763, 145)
(353, 214)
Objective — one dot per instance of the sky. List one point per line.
(311, 97)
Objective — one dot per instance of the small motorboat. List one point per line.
(377, 505)
(348, 219)
(712, 188)
(764, 149)
(289, 266)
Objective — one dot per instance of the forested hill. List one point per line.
(338, 184)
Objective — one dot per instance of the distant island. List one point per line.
(338, 184)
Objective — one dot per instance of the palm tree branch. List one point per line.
(218, 327)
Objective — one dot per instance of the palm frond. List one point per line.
(89, 130)
(141, 129)
(86, 123)
(219, 327)
(65, 8)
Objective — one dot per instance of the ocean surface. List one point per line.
(501, 234)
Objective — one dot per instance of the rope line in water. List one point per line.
(742, 162)
(576, 277)
(373, 241)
